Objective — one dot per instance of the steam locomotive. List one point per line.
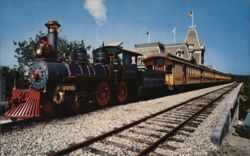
(114, 74)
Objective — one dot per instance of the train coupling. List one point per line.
(23, 104)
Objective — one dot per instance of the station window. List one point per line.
(180, 53)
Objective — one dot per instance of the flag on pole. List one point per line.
(174, 30)
(190, 14)
(148, 34)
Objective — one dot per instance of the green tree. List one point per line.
(67, 49)
(25, 54)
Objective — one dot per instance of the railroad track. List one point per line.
(11, 125)
(157, 134)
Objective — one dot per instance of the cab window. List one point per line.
(100, 56)
(129, 59)
(126, 59)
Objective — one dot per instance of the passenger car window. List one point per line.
(159, 62)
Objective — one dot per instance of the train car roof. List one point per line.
(117, 49)
(180, 60)
(170, 57)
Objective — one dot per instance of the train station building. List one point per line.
(191, 49)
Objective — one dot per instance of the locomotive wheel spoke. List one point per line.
(102, 94)
(122, 92)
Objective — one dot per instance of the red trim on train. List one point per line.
(24, 104)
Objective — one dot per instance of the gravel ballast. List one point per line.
(56, 134)
(199, 142)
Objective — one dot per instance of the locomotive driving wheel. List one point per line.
(48, 108)
(122, 92)
(103, 94)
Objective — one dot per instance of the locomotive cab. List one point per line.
(123, 68)
(116, 56)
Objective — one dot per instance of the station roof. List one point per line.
(116, 49)
(192, 37)
(149, 44)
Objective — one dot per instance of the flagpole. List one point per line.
(174, 32)
(149, 33)
(192, 18)
(174, 35)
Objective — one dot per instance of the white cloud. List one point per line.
(97, 9)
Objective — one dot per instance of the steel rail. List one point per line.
(117, 130)
(183, 123)
(5, 127)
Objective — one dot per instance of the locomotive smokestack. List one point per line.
(52, 37)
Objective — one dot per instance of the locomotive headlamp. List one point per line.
(38, 75)
(39, 51)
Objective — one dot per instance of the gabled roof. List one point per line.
(150, 48)
(193, 38)
(174, 44)
(115, 49)
(149, 44)
(173, 48)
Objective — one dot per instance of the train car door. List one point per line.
(169, 72)
(184, 74)
(202, 76)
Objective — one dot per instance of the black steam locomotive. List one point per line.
(114, 74)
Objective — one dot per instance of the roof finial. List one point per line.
(191, 14)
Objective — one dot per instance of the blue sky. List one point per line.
(223, 26)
